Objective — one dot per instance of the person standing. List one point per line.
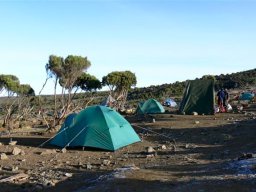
(220, 98)
(225, 99)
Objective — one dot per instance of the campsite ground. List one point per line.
(192, 153)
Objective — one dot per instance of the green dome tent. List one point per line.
(150, 106)
(96, 126)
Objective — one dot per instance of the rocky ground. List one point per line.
(177, 153)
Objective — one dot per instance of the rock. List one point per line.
(14, 169)
(150, 155)
(1, 144)
(163, 147)
(3, 156)
(150, 149)
(197, 122)
(106, 162)
(194, 113)
(64, 150)
(22, 152)
(12, 142)
(153, 120)
(16, 151)
(48, 152)
(80, 163)
(88, 166)
(187, 146)
(68, 174)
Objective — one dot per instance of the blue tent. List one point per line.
(170, 103)
(246, 96)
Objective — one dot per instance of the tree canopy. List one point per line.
(119, 80)
(12, 85)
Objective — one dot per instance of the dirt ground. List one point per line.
(192, 153)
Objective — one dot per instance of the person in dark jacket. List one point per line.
(226, 98)
(220, 98)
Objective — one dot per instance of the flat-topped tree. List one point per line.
(17, 106)
(70, 73)
(9, 83)
(119, 83)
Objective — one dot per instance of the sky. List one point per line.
(161, 41)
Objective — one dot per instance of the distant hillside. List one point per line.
(239, 80)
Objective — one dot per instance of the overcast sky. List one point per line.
(161, 41)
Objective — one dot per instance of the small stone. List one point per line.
(150, 149)
(88, 166)
(64, 150)
(12, 142)
(194, 113)
(3, 156)
(68, 174)
(22, 152)
(1, 144)
(16, 151)
(197, 122)
(187, 146)
(106, 162)
(149, 155)
(14, 169)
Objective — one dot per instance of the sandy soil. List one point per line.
(192, 153)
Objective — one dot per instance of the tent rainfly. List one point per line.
(198, 97)
(98, 127)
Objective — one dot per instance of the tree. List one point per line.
(18, 103)
(70, 73)
(119, 83)
(10, 83)
(88, 83)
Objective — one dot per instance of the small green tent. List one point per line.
(150, 106)
(96, 126)
(198, 97)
